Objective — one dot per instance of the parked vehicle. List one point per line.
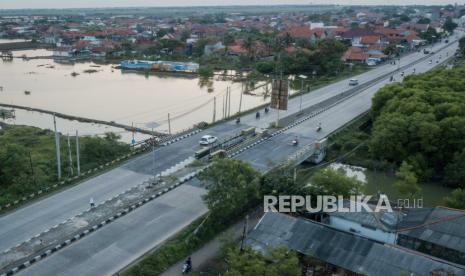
(208, 140)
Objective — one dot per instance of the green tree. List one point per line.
(455, 171)
(14, 165)
(456, 199)
(462, 46)
(449, 25)
(185, 35)
(206, 71)
(279, 262)
(391, 49)
(228, 39)
(422, 121)
(232, 185)
(249, 45)
(281, 181)
(424, 20)
(430, 35)
(265, 67)
(407, 182)
(334, 182)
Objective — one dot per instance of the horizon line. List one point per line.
(236, 5)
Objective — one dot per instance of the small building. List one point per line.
(438, 231)
(355, 54)
(63, 52)
(379, 226)
(345, 253)
(213, 47)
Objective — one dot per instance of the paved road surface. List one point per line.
(206, 253)
(112, 250)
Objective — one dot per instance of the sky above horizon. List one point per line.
(47, 4)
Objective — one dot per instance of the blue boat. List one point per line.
(164, 66)
(136, 64)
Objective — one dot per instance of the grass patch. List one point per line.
(28, 162)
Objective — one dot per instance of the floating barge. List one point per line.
(162, 66)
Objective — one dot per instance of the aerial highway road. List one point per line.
(122, 241)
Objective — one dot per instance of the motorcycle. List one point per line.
(257, 115)
(238, 120)
(186, 268)
(266, 110)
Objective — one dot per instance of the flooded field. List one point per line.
(100, 91)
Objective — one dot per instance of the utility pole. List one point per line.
(214, 109)
(302, 77)
(301, 93)
(244, 233)
(70, 157)
(224, 106)
(240, 99)
(32, 168)
(133, 141)
(153, 153)
(169, 125)
(57, 147)
(229, 103)
(77, 154)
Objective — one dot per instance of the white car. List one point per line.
(207, 140)
(353, 82)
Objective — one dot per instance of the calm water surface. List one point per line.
(432, 193)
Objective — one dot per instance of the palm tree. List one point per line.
(248, 44)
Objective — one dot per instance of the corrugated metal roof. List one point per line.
(342, 249)
(441, 226)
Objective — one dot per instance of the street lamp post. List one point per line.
(302, 78)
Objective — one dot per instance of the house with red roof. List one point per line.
(355, 35)
(355, 54)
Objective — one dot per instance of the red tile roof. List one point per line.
(300, 32)
(370, 39)
(355, 54)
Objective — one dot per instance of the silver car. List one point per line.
(207, 140)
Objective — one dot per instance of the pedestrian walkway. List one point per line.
(202, 256)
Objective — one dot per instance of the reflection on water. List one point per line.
(101, 91)
(351, 171)
(432, 193)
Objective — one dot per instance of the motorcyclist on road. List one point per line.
(295, 142)
(187, 267)
(266, 109)
(257, 115)
(238, 120)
